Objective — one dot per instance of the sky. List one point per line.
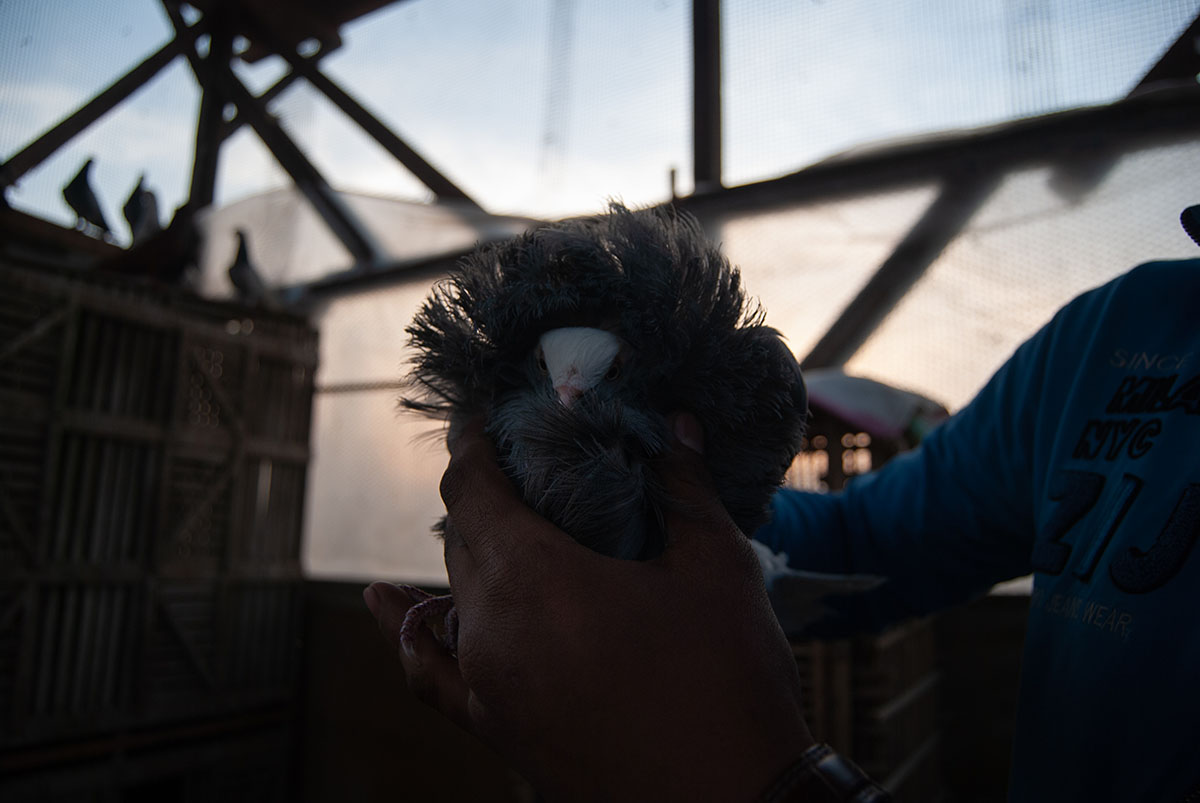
(549, 107)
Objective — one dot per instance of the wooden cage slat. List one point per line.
(69, 470)
(123, 496)
(101, 646)
(103, 354)
(9, 613)
(85, 512)
(96, 530)
(112, 382)
(40, 329)
(112, 688)
(63, 660)
(102, 459)
(190, 651)
(79, 700)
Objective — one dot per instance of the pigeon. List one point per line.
(1190, 220)
(575, 341)
(250, 287)
(141, 212)
(82, 199)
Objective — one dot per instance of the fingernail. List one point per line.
(410, 649)
(689, 432)
(371, 597)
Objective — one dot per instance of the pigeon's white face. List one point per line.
(577, 358)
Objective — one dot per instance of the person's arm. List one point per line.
(944, 522)
(605, 679)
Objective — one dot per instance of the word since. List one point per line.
(1145, 361)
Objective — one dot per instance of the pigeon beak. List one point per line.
(568, 393)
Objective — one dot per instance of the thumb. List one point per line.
(696, 520)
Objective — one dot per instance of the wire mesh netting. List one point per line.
(548, 107)
(806, 79)
(186, 493)
(53, 58)
(1028, 251)
(805, 262)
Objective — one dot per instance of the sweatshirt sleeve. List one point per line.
(942, 523)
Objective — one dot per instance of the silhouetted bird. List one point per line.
(141, 212)
(82, 199)
(1190, 218)
(246, 280)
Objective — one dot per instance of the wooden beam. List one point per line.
(960, 198)
(41, 148)
(1152, 117)
(1181, 61)
(208, 122)
(706, 93)
(229, 127)
(332, 209)
(35, 235)
(442, 187)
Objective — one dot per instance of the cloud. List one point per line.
(151, 132)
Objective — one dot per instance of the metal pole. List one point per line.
(960, 198)
(332, 209)
(336, 214)
(442, 187)
(229, 127)
(307, 68)
(706, 94)
(208, 123)
(1180, 62)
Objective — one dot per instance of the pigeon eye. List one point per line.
(542, 363)
(614, 371)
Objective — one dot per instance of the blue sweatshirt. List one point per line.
(1078, 462)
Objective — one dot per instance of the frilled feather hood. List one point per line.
(699, 344)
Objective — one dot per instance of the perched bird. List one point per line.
(82, 199)
(1190, 220)
(246, 280)
(141, 212)
(576, 340)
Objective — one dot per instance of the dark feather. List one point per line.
(141, 212)
(697, 344)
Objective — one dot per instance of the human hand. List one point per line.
(604, 679)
